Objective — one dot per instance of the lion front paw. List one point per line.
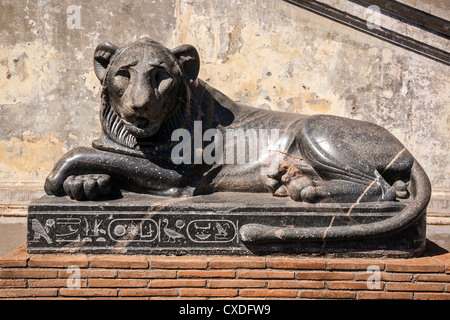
(88, 186)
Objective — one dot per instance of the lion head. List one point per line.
(144, 85)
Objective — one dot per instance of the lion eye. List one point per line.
(163, 81)
(121, 81)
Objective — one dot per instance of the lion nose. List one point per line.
(143, 95)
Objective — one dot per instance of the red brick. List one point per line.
(434, 277)
(266, 293)
(148, 292)
(179, 262)
(378, 295)
(119, 298)
(265, 274)
(117, 283)
(176, 283)
(237, 262)
(385, 276)
(60, 298)
(292, 263)
(324, 275)
(200, 292)
(353, 285)
(69, 292)
(424, 264)
(431, 296)
(299, 284)
(58, 261)
(445, 259)
(182, 298)
(19, 283)
(11, 293)
(326, 294)
(28, 273)
(52, 283)
(118, 261)
(90, 273)
(353, 264)
(16, 258)
(148, 274)
(206, 274)
(418, 286)
(236, 283)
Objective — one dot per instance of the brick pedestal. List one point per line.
(53, 276)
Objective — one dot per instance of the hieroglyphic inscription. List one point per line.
(165, 229)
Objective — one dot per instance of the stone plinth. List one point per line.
(210, 224)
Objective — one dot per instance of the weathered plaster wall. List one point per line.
(49, 95)
(266, 53)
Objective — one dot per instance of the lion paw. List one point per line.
(291, 183)
(401, 189)
(88, 186)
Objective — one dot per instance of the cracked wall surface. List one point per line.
(264, 53)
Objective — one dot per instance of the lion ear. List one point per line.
(102, 57)
(189, 59)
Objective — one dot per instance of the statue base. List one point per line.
(145, 224)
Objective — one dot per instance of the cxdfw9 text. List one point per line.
(246, 309)
(239, 309)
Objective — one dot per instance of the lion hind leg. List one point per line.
(301, 182)
(351, 192)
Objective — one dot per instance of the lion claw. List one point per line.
(88, 186)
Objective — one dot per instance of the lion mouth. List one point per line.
(141, 123)
(141, 127)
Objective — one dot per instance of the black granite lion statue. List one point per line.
(165, 132)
